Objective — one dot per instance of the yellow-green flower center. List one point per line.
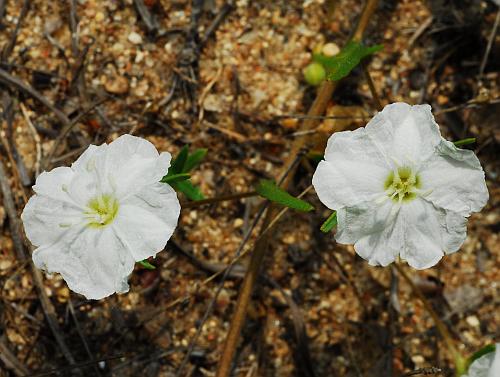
(402, 184)
(101, 210)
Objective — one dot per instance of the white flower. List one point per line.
(486, 366)
(91, 222)
(399, 188)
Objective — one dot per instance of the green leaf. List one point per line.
(187, 188)
(194, 159)
(175, 178)
(346, 60)
(269, 190)
(148, 266)
(483, 351)
(469, 140)
(179, 162)
(330, 223)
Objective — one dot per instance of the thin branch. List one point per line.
(8, 79)
(371, 85)
(318, 107)
(218, 199)
(17, 238)
(490, 43)
(423, 371)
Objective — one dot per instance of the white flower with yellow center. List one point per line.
(399, 188)
(92, 221)
(486, 366)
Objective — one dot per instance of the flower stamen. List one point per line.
(101, 210)
(402, 184)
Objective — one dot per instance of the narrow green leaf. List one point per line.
(194, 159)
(175, 178)
(144, 263)
(187, 188)
(330, 223)
(469, 140)
(483, 351)
(179, 162)
(268, 189)
(346, 60)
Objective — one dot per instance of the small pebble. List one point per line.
(135, 38)
(330, 49)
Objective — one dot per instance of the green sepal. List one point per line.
(340, 65)
(179, 162)
(483, 351)
(469, 140)
(194, 159)
(170, 179)
(178, 176)
(329, 223)
(148, 266)
(187, 188)
(269, 190)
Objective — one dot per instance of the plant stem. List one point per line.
(371, 85)
(318, 107)
(443, 330)
(218, 199)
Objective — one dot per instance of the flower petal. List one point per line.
(147, 220)
(418, 231)
(130, 163)
(431, 232)
(91, 261)
(354, 170)
(87, 159)
(46, 220)
(456, 180)
(374, 229)
(406, 133)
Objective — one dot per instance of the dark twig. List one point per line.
(490, 43)
(16, 234)
(226, 9)
(371, 85)
(147, 18)
(10, 208)
(423, 371)
(318, 107)
(64, 132)
(303, 357)
(8, 79)
(82, 337)
(224, 277)
(58, 371)
(13, 38)
(218, 199)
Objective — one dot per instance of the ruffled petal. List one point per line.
(455, 180)
(354, 170)
(417, 231)
(46, 220)
(91, 261)
(147, 220)
(347, 183)
(129, 164)
(408, 134)
(86, 161)
(374, 229)
(431, 232)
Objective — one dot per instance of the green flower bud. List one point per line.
(314, 73)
